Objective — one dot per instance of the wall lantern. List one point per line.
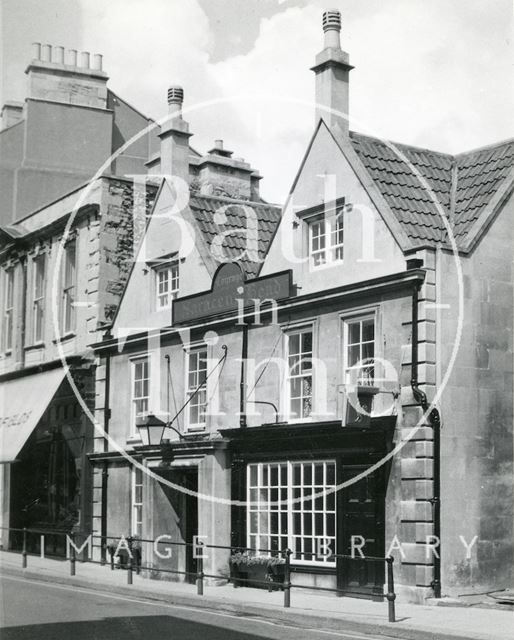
(151, 429)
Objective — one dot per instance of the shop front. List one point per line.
(311, 489)
(43, 444)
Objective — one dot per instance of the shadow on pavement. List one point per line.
(126, 628)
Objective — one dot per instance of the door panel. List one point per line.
(361, 515)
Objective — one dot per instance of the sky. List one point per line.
(433, 73)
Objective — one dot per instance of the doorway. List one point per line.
(362, 509)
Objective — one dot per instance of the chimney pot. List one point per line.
(36, 51)
(332, 20)
(84, 59)
(72, 57)
(175, 95)
(46, 53)
(218, 144)
(97, 61)
(59, 55)
(332, 28)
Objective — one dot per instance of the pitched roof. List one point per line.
(241, 218)
(479, 174)
(462, 184)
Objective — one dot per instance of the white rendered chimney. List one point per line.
(174, 137)
(332, 70)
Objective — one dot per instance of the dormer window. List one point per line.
(166, 284)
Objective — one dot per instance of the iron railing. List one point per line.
(130, 558)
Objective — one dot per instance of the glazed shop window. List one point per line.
(299, 373)
(292, 504)
(38, 298)
(196, 388)
(166, 284)
(326, 235)
(360, 351)
(8, 311)
(69, 287)
(140, 389)
(137, 503)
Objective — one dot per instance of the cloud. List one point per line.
(437, 74)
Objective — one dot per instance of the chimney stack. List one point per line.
(58, 75)
(332, 70)
(174, 137)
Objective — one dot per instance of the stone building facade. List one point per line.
(402, 257)
(64, 257)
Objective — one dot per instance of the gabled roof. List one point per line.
(241, 216)
(479, 175)
(463, 184)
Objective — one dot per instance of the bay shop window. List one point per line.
(293, 505)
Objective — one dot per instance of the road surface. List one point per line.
(34, 610)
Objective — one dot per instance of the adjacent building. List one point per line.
(66, 246)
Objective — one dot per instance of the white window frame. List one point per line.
(328, 241)
(351, 320)
(190, 386)
(136, 502)
(69, 289)
(8, 310)
(38, 298)
(134, 414)
(298, 330)
(165, 295)
(266, 501)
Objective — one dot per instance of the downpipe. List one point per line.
(105, 470)
(435, 422)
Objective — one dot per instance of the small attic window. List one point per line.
(166, 284)
(325, 232)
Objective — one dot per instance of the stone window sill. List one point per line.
(36, 345)
(65, 337)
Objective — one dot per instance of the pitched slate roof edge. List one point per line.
(487, 147)
(487, 217)
(391, 221)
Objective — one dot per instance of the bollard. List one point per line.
(287, 579)
(72, 554)
(199, 574)
(24, 549)
(391, 596)
(129, 569)
(130, 563)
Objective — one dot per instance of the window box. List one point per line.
(257, 571)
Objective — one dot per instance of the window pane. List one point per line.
(354, 333)
(368, 330)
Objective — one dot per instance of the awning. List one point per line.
(22, 403)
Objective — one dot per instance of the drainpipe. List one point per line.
(435, 421)
(24, 294)
(242, 384)
(105, 470)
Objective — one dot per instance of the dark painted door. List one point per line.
(361, 514)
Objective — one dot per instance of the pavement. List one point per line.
(307, 611)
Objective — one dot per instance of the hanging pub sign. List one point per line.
(230, 293)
